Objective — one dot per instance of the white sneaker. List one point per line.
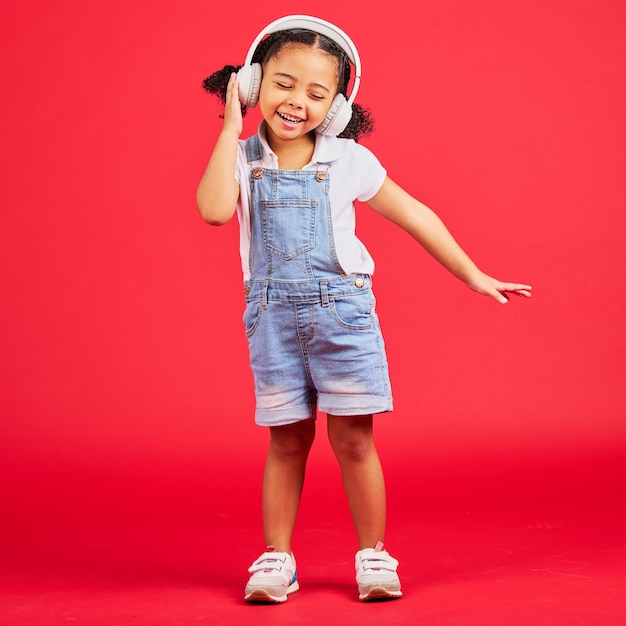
(376, 574)
(273, 577)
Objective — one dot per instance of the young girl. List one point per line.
(313, 333)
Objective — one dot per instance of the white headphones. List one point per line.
(250, 74)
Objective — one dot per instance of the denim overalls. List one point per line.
(312, 330)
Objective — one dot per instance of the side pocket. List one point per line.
(251, 316)
(354, 312)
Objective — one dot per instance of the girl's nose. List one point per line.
(295, 100)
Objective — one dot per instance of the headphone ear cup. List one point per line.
(337, 117)
(249, 79)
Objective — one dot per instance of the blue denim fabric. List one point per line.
(312, 331)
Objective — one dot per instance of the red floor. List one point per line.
(177, 553)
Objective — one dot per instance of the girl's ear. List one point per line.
(249, 79)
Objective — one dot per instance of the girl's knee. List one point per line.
(293, 439)
(351, 439)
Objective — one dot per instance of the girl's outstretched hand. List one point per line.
(233, 120)
(498, 290)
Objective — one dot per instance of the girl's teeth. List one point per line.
(289, 119)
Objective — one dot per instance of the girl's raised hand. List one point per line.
(233, 120)
(218, 190)
(498, 290)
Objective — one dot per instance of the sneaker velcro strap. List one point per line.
(380, 561)
(268, 561)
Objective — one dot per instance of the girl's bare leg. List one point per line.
(352, 440)
(283, 480)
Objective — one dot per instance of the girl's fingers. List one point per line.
(500, 291)
(515, 288)
(232, 109)
(232, 88)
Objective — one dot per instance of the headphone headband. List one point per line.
(321, 27)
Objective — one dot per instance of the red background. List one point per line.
(125, 396)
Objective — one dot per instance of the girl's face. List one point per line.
(297, 89)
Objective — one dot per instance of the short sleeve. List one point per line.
(372, 174)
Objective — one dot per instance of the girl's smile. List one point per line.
(297, 89)
(290, 118)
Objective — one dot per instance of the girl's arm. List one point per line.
(218, 190)
(424, 225)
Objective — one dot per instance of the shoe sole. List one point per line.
(379, 593)
(260, 596)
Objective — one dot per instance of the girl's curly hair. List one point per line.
(361, 123)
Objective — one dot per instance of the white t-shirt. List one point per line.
(355, 174)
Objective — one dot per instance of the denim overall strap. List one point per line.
(254, 151)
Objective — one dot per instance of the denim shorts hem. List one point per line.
(343, 405)
(283, 417)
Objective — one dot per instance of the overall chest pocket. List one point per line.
(288, 227)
